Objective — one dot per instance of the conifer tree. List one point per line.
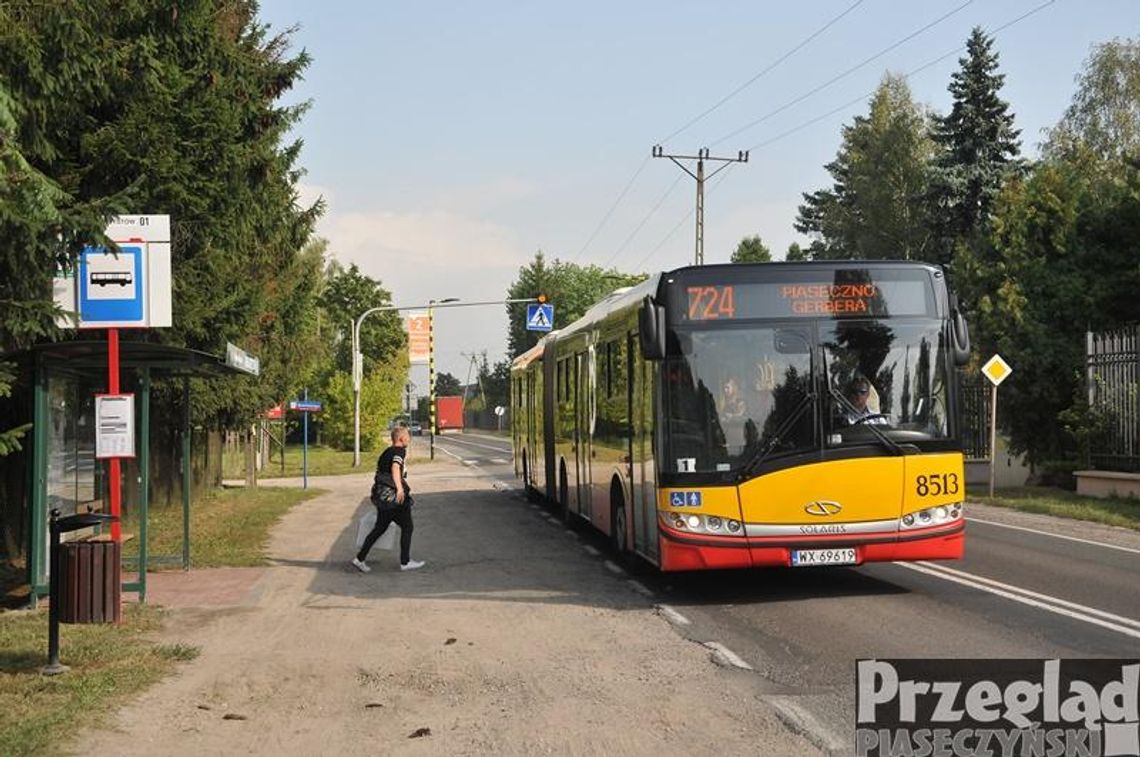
(978, 148)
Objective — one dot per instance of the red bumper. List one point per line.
(688, 551)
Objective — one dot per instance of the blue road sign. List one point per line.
(539, 317)
(305, 406)
(111, 287)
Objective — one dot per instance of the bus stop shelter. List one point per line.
(55, 393)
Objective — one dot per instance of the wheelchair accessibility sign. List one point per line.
(685, 499)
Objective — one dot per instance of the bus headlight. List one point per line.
(931, 516)
(709, 524)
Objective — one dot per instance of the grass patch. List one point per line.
(323, 461)
(1035, 499)
(109, 665)
(229, 528)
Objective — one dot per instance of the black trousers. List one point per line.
(401, 515)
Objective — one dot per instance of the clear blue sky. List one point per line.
(453, 140)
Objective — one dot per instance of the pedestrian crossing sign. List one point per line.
(539, 317)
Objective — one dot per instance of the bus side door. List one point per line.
(583, 400)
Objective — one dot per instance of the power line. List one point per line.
(613, 207)
(933, 62)
(845, 74)
(644, 220)
(701, 156)
(763, 71)
(907, 75)
(629, 184)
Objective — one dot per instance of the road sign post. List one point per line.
(997, 371)
(305, 406)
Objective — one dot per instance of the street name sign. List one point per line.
(305, 406)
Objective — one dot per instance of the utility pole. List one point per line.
(701, 156)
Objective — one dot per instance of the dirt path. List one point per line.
(513, 640)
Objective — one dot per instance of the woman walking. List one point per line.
(393, 500)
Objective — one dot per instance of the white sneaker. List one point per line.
(413, 565)
(361, 565)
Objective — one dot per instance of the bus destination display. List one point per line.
(808, 299)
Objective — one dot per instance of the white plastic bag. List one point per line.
(389, 538)
(365, 524)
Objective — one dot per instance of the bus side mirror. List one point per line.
(651, 328)
(960, 332)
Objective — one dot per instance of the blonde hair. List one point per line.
(400, 431)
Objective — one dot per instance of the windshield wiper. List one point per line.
(762, 454)
(894, 447)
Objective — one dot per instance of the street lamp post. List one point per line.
(357, 378)
(358, 362)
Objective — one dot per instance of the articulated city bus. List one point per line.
(772, 414)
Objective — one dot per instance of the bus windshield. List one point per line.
(888, 374)
(738, 394)
(733, 394)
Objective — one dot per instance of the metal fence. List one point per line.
(1113, 366)
(974, 415)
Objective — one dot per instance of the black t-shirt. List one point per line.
(389, 456)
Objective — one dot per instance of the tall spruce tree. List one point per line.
(978, 148)
(135, 106)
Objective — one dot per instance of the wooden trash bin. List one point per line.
(90, 581)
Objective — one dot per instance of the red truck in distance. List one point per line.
(449, 413)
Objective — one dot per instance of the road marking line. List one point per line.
(808, 725)
(1056, 536)
(1035, 595)
(499, 439)
(640, 588)
(591, 550)
(449, 452)
(975, 583)
(672, 615)
(497, 448)
(500, 461)
(726, 655)
(472, 463)
(613, 567)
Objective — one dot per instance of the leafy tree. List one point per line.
(872, 210)
(1104, 116)
(447, 385)
(978, 148)
(381, 399)
(795, 253)
(347, 294)
(751, 250)
(571, 288)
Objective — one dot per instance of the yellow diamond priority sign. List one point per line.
(996, 370)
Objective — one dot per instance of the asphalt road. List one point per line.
(1029, 587)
